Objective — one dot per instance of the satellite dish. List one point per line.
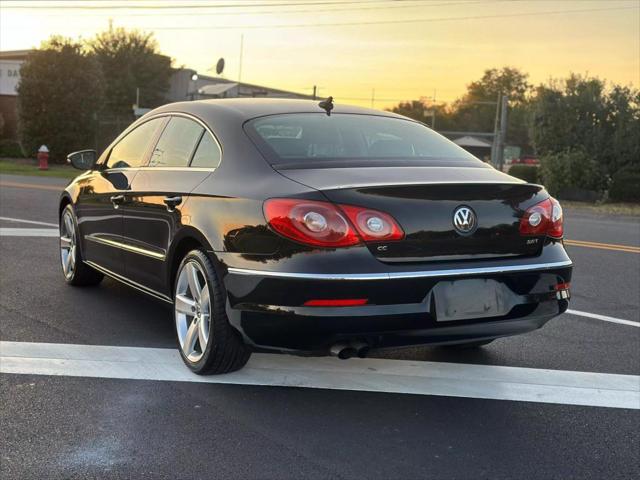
(220, 66)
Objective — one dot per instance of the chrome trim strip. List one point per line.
(178, 169)
(126, 247)
(454, 272)
(421, 182)
(129, 283)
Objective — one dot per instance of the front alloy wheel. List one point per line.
(75, 271)
(67, 244)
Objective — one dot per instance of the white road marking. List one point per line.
(34, 222)
(29, 232)
(604, 318)
(369, 375)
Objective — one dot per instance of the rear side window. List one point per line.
(131, 150)
(177, 143)
(307, 137)
(207, 154)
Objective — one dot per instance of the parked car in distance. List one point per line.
(289, 226)
(526, 160)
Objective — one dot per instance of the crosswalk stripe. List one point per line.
(28, 232)
(369, 375)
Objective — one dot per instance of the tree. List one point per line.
(416, 109)
(475, 111)
(131, 60)
(623, 107)
(508, 80)
(579, 112)
(59, 92)
(472, 114)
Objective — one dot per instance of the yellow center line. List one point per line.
(31, 185)
(603, 246)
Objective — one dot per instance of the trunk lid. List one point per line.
(424, 200)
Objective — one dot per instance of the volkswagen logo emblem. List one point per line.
(464, 220)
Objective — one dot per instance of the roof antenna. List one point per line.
(327, 105)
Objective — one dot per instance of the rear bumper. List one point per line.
(267, 307)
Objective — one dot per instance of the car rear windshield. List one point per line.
(301, 139)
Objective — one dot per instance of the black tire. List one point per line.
(225, 351)
(82, 275)
(469, 345)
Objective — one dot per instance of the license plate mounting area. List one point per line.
(468, 299)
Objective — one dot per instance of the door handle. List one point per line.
(172, 202)
(117, 200)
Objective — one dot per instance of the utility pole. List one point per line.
(503, 131)
(496, 132)
(241, 51)
(315, 91)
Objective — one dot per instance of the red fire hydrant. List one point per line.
(43, 158)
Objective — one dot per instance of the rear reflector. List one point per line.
(336, 302)
(562, 291)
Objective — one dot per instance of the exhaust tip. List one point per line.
(361, 348)
(343, 351)
(363, 352)
(347, 353)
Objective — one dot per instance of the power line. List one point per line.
(392, 22)
(426, 4)
(180, 6)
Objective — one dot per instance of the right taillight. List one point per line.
(544, 218)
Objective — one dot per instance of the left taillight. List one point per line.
(372, 225)
(544, 218)
(327, 225)
(310, 222)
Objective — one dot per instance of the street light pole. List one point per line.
(503, 131)
(240, 61)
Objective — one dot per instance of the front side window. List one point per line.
(207, 154)
(307, 137)
(131, 150)
(176, 144)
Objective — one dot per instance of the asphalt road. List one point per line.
(80, 427)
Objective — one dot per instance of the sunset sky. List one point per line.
(402, 49)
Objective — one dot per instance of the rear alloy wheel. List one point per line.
(75, 271)
(207, 342)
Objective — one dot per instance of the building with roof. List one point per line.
(10, 64)
(477, 146)
(187, 84)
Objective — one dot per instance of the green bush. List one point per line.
(571, 170)
(10, 149)
(528, 173)
(625, 185)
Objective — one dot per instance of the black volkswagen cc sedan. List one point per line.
(309, 228)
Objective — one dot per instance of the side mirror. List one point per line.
(83, 160)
